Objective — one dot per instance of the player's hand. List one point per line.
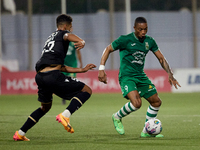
(89, 67)
(173, 82)
(102, 76)
(79, 45)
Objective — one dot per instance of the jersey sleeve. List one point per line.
(154, 47)
(64, 32)
(118, 43)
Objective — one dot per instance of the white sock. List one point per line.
(66, 113)
(21, 133)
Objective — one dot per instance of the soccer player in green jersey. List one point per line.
(134, 83)
(72, 58)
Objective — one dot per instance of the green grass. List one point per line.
(94, 130)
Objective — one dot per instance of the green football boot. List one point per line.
(118, 125)
(146, 135)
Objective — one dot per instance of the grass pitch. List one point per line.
(94, 130)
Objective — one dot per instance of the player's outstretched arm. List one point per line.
(102, 75)
(78, 70)
(167, 68)
(88, 67)
(78, 42)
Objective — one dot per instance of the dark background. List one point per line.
(92, 6)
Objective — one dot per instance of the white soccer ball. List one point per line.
(153, 126)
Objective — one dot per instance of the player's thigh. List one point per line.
(129, 91)
(67, 87)
(127, 85)
(44, 89)
(87, 89)
(135, 98)
(145, 87)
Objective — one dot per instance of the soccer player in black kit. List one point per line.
(50, 80)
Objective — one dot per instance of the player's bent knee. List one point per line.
(46, 107)
(159, 103)
(87, 89)
(154, 100)
(156, 103)
(137, 103)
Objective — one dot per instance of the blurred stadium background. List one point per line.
(174, 24)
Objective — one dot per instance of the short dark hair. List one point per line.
(140, 20)
(62, 19)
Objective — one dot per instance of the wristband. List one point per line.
(101, 67)
(83, 42)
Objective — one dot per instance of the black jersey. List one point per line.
(54, 50)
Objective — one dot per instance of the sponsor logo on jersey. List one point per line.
(138, 57)
(133, 44)
(150, 87)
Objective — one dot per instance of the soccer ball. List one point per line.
(153, 126)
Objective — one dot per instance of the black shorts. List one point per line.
(55, 82)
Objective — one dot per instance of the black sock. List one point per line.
(77, 101)
(32, 119)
